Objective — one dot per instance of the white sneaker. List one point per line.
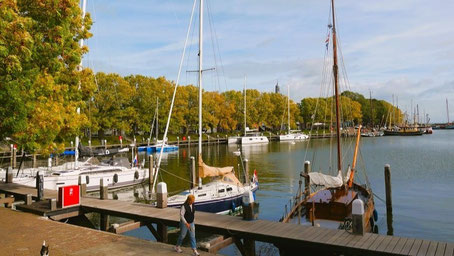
(178, 249)
(195, 252)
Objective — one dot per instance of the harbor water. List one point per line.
(422, 171)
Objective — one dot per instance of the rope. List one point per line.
(176, 176)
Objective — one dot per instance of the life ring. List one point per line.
(136, 175)
(87, 179)
(115, 178)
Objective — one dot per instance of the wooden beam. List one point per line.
(153, 231)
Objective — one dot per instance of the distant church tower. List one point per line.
(276, 88)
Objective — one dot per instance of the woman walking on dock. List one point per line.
(187, 212)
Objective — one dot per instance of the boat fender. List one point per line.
(233, 206)
(87, 179)
(371, 222)
(115, 178)
(375, 230)
(375, 215)
(136, 175)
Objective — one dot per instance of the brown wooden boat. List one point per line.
(332, 204)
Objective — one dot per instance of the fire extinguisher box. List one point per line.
(68, 196)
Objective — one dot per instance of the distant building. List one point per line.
(276, 88)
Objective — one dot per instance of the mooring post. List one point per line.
(249, 206)
(162, 231)
(9, 175)
(11, 155)
(52, 204)
(246, 171)
(83, 185)
(14, 156)
(307, 181)
(193, 177)
(178, 141)
(358, 217)
(34, 164)
(105, 144)
(389, 201)
(89, 143)
(39, 185)
(103, 188)
(104, 218)
(28, 199)
(300, 195)
(189, 141)
(161, 196)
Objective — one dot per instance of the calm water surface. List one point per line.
(422, 170)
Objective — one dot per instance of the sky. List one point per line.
(403, 48)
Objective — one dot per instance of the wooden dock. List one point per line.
(287, 237)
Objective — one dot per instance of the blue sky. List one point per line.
(403, 47)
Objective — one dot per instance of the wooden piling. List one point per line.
(103, 218)
(83, 185)
(307, 182)
(103, 189)
(9, 175)
(162, 231)
(14, 157)
(193, 176)
(34, 164)
(389, 201)
(189, 141)
(39, 186)
(246, 171)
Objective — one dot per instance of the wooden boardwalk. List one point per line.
(287, 237)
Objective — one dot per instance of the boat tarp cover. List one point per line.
(327, 181)
(210, 171)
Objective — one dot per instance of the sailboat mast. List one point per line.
(157, 120)
(200, 74)
(336, 89)
(244, 110)
(288, 107)
(81, 44)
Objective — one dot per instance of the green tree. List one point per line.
(39, 52)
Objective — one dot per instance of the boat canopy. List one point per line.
(327, 181)
(211, 171)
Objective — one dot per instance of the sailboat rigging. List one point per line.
(225, 191)
(291, 135)
(328, 199)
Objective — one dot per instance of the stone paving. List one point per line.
(23, 234)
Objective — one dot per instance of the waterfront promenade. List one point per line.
(23, 234)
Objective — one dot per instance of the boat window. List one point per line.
(201, 195)
(250, 138)
(229, 189)
(221, 190)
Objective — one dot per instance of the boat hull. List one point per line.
(402, 133)
(248, 140)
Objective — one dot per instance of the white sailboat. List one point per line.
(225, 191)
(250, 136)
(292, 135)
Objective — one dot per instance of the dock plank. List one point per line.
(376, 243)
(407, 247)
(449, 251)
(392, 244)
(440, 249)
(415, 247)
(432, 248)
(400, 245)
(385, 243)
(423, 249)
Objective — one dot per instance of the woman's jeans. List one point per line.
(183, 231)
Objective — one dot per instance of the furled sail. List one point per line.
(327, 181)
(211, 171)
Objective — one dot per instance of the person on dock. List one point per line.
(187, 212)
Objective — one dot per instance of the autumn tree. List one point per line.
(41, 87)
